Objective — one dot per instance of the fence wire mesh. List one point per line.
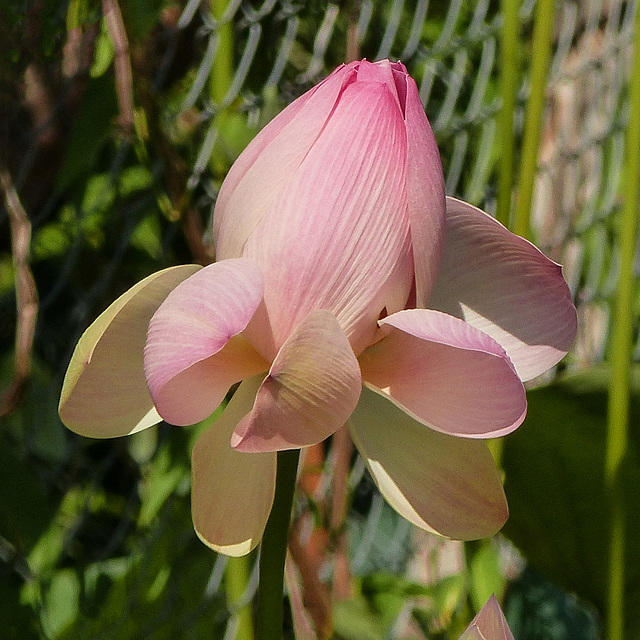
(105, 208)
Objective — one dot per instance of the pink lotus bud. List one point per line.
(489, 624)
(334, 198)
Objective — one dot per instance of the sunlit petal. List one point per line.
(506, 287)
(447, 374)
(265, 167)
(311, 390)
(193, 352)
(335, 237)
(104, 393)
(232, 492)
(438, 482)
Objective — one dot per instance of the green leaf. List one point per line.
(554, 468)
(104, 52)
(62, 602)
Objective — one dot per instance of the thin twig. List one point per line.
(341, 455)
(122, 62)
(302, 623)
(26, 294)
(317, 600)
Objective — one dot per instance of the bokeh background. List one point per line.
(118, 122)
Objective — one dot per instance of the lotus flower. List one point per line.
(348, 290)
(489, 624)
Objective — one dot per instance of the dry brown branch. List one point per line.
(316, 598)
(122, 62)
(341, 455)
(26, 294)
(303, 625)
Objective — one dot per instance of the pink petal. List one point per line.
(311, 390)
(440, 483)
(193, 352)
(232, 492)
(381, 72)
(425, 193)
(400, 74)
(338, 236)
(506, 287)
(447, 374)
(105, 394)
(489, 624)
(266, 166)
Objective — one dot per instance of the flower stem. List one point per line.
(622, 323)
(509, 59)
(541, 46)
(273, 551)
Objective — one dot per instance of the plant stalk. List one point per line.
(542, 44)
(273, 551)
(509, 59)
(622, 336)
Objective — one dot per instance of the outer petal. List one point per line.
(447, 374)
(438, 482)
(425, 194)
(193, 352)
(506, 287)
(232, 492)
(489, 624)
(310, 392)
(104, 392)
(338, 236)
(265, 167)
(382, 72)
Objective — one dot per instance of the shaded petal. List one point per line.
(193, 352)
(506, 287)
(104, 393)
(447, 374)
(438, 482)
(232, 492)
(265, 167)
(489, 624)
(310, 392)
(425, 194)
(338, 236)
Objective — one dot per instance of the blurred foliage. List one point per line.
(555, 485)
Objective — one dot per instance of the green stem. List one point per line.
(622, 323)
(273, 551)
(237, 578)
(541, 45)
(222, 69)
(509, 85)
